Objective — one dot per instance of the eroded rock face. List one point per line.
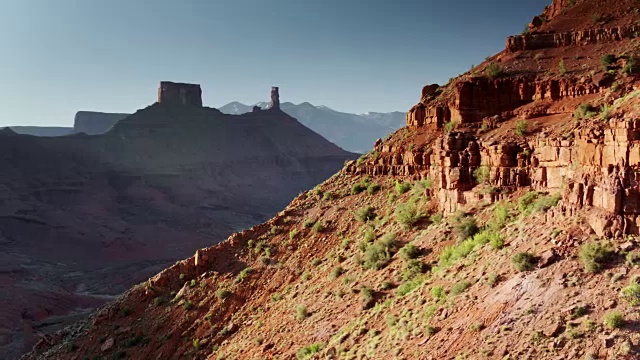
(552, 40)
(481, 97)
(275, 98)
(171, 93)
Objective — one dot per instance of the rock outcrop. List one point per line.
(536, 41)
(275, 98)
(170, 93)
(93, 123)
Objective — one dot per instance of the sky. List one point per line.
(59, 57)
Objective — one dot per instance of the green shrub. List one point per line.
(357, 189)
(482, 174)
(526, 201)
(412, 269)
(301, 312)
(317, 190)
(466, 227)
(378, 254)
(369, 235)
(308, 351)
(308, 223)
(489, 236)
(409, 286)
(562, 69)
(521, 127)
(460, 287)
(630, 67)
(605, 112)
(408, 215)
(631, 294)
(373, 188)
(524, 261)
(546, 202)
(243, 274)
(409, 252)
(493, 70)
(293, 233)
(337, 271)
(402, 187)
(449, 126)
(614, 320)
(367, 297)
(328, 196)
(421, 186)
(607, 60)
(633, 258)
(318, 227)
(595, 254)
(436, 218)
(437, 292)
(493, 279)
(585, 111)
(453, 253)
(222, 293)
(365, 214)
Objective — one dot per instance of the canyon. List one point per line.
(500, 223)
(84, 217)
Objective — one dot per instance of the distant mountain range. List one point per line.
(352, 132)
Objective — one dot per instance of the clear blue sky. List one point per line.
(61, 56)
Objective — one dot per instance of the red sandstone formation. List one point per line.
(476, 147)
(171, 93)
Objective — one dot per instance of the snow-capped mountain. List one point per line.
(352, 132)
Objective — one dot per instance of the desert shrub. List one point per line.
(493, 70)
(293, 233)
(614, 320)
(562, 69)
(328, 196)
(489, 236)
(243, 274)
(378, 254)
(392, 198)
(482, 174)
(408, 215)
(630, 67)
(402, 187)
(595, 254)
(466, 227)
(373, 188)
(436, 218)
(607, 60)
(222, 293)
(317, 191)
(524, 261)
(365, 214)
(420, 186)
(521, 127)
(367, 297)
(526, 201)
(316, 262)
(409, 252)
(605, 112)
(308, 351)
(460, 287)
(187, 305)
(308, 223)
(451, 254)
(449, 126)
(412, 269)
(369, 235)
(632, 258)
(318, 227)
(301, 312)
(546, 202)
(585, 111)
(361, 159)
(631, 294)
(437, 292)
(357, 189)
(337, 271)
(409, 286)
(493, 279)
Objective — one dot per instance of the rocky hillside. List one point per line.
(500, 223)
(353, 132)
(83, 218)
